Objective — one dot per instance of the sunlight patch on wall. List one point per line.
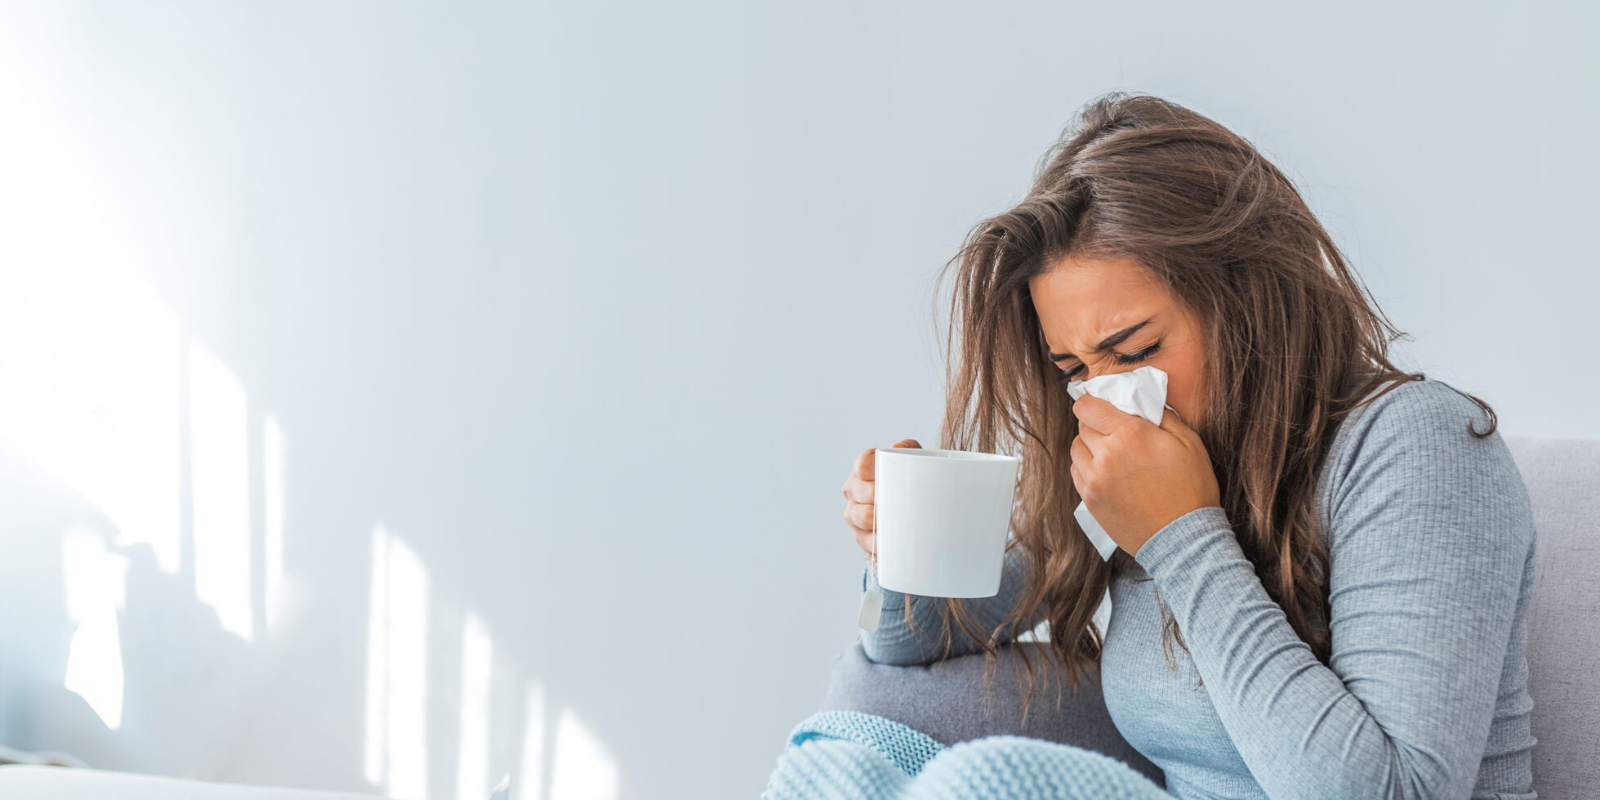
(584, 769)
(220, 479)
(95, 586)
(88, 356)
(477, 668)
(273, 478)
(530, 782)
(397, 637)
(89, 384)
(377, 750)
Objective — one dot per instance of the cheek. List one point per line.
(1186, 390)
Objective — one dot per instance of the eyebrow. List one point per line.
(1110, 341)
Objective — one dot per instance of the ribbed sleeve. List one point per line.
(895, 642)
(1430, 533)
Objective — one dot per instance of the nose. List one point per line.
(1089, 373)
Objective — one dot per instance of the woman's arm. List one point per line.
(1431, 533)
(894, 642)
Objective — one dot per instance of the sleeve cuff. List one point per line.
(892, 600)
(1183, 533)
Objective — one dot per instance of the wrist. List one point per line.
(1172, 537)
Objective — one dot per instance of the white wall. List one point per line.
(572, 318)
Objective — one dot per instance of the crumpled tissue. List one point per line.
(1143, 392)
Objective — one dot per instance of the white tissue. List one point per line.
(1143, 392)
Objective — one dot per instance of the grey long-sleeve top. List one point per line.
(1431, 543)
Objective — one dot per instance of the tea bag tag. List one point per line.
(872, 598)
(871, 603)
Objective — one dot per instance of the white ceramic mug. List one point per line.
(940, 520)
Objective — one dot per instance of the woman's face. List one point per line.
(1086, 303)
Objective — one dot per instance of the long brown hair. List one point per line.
(1294, 343)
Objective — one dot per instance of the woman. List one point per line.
(1324, 563)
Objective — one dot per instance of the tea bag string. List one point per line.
(872, 598)
(872, 557)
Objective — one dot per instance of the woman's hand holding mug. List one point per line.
(858, 508)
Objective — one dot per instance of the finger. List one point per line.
(1101, 415)
(1081, 454)
(864, 464)
(859, 516)
(1174, 424)
(858, 491)
(864, 540)
(1083, 409)
(1091, 438)
(867, 461)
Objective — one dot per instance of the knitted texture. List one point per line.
(848, 754)
(903, 747)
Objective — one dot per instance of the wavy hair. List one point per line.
(1294, 342)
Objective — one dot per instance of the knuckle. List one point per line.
(858, 491)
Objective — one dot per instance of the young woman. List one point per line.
(1325, 562)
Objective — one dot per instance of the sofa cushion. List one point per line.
(1563, 480)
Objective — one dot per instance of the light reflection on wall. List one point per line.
(272, 497)
(220, 470)
(583, 769)
(530, 784)
(477, 666)
(94, 580)
(89, 389)
(88, 355)
(397, 638)
(578, 767)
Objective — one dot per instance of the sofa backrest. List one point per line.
(1563, 479)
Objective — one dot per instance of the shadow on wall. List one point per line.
(149, 538)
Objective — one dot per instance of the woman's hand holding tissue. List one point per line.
(1136, 477)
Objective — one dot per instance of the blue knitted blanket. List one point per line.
(848, 754)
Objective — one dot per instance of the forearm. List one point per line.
(923, 640)
(1423, 655)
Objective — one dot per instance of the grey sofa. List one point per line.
(1563, 479)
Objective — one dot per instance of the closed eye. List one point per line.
(1068, 375)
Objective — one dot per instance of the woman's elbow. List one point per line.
(899, 653)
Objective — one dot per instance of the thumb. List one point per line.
(907, 443)
(1174, 424)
